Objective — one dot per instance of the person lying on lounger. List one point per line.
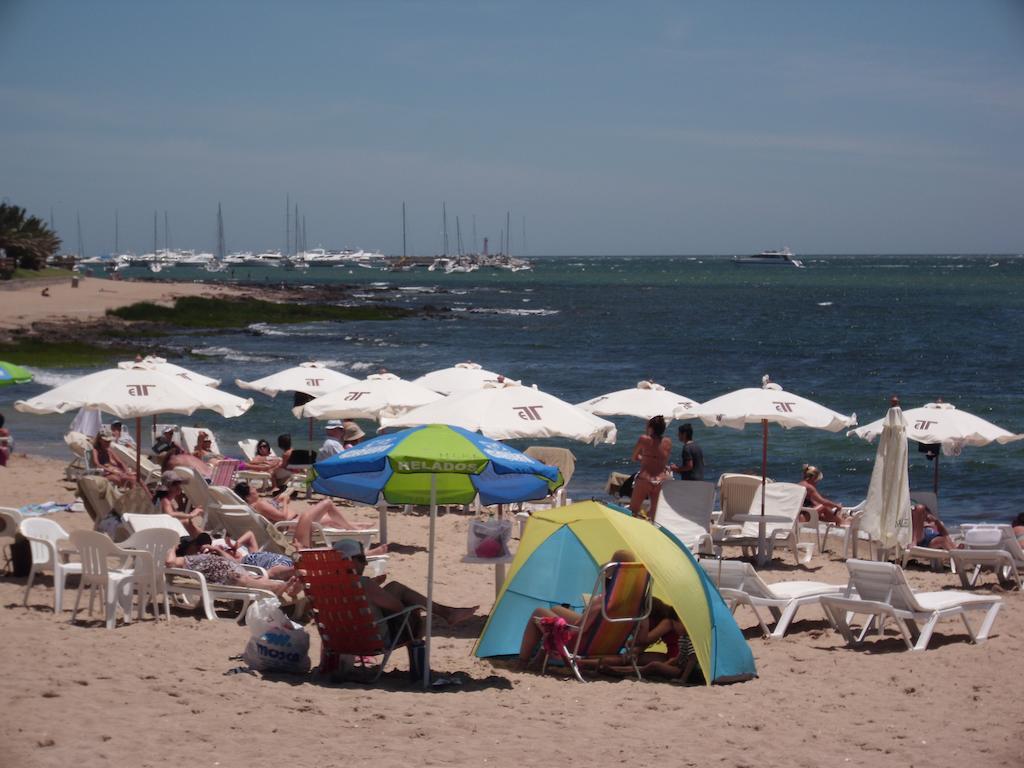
(928, 530)
(113, 470)
(277, 510)
(196, 554)
(828, 511)
(246, 550)
(169, 499)
(264, 460)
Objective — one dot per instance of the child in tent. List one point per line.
(678, 660)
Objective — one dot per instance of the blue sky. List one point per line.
(710, 127)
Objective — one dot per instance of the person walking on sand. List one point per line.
(652, 450)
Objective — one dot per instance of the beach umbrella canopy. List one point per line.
(645, 401)
(461, 377)
(131, 393)
(769, 404)
(508, 410)
(312, 379)
(161, 365)
(943, 424)
(13, 374)
(379, 393)
(558, 560)
(886, 516)
(434, 464)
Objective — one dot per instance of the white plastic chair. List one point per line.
(740, 584)
(989, 547)
(135, 523)
(150, 581)
(45, 537)
(114, 584)
(781, 521)
(884, 594)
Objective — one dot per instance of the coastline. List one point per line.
(71, 688)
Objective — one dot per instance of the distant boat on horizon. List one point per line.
(779, 258)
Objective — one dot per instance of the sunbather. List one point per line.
(121, 435)
(532, 632)
(1018, 528)
(276, 509)
(652, 450)
(264, 460)
(828, 511)
(394, 596)
(165, 447)
(223, 570)
(928, 530)
(204, 449)
(283, 473)
(169, 500)
(246, 550)
(113, 470)
(663, 625)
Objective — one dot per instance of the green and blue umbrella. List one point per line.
(13, 374)
(434, 464)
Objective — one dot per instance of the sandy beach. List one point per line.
(23, 304)
(79, 693)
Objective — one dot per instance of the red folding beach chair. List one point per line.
(348, 624)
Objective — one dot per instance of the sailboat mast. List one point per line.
(296, 229)
(154, 234)
(403, 229)
(167, 233)
(444, 224)
(117, 233)
(458, 236)
(474, 235)
(508, 233)
(287, 223)
(220, 234)
(78, 224)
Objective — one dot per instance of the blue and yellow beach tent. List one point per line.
(558, 560)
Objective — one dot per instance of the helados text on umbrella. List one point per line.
(418, 465)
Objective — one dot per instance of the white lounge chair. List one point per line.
(135, 523)
(684, 509)
(113, 582)
(937, 559)
(46, 538)
(782, 503)
(149, 470)
(190, 439)
(989, 547)
(884, 594)
(740, 584)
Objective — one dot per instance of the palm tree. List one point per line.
(26, 239)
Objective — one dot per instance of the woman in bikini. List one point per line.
(652, 450)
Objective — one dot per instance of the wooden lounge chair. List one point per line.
(884, 594)
(348, 624)
(620, 601)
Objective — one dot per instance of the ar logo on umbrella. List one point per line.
(528, 412)
(140, 390)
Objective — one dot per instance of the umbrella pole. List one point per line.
(762, 555)
(138, 446)
(430, 581)
(935, 482)
(310, 430)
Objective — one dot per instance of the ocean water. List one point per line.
(848, 332)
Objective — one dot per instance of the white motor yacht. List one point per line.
(781, 258)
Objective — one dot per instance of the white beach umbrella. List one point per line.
(312, 379)
(769, 404)
(131, 393)
(161, 365)
(508, 410)
(460, 377)
(645, 401)
(942, 423)
(886, 516)
(379, 394)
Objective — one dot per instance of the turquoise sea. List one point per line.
(848, 332)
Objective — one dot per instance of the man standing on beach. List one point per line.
(691, 464)
(332, 446)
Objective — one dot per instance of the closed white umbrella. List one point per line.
(942, 423)
(886, 516)
(645, 401)
(161, 365)
(508, 410)
(769, 404)
(379, 393)
(131, 393)
(461, 377)
(312, 379)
